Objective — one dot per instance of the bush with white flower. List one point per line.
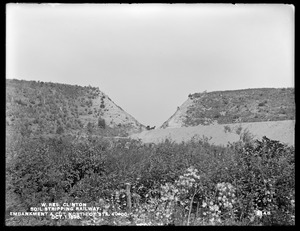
(220, 205)
(226, 198)
(241, 184)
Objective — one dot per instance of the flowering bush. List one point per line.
(171, 184)
(220, 205)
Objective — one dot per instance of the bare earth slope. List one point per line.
(282, 131)
(178, 118)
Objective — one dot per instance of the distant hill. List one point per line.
(46, 108)
(237, 106)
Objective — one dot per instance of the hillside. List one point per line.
(51, 108)
(238, 106)
(221, 134)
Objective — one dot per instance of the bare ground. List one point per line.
(283, 131)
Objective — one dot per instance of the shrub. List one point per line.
(189, 183)
(20, 102)
(260, 174)
(262, 103)
(239, 130)
(227, 129)
(216, 116)
(48, 170)
(60, 130)
(101, 123)
(90, 127)
(246, 136)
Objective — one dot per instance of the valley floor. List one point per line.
(221, 134)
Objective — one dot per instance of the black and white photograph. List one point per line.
(150, 114)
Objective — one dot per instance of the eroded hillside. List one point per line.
(238, 106)
(51, 108)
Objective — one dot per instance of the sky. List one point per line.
(149, 57)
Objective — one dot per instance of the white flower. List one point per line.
(204, 204)
(258, 213)
(292, 202)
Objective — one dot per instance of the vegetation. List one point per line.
(61, 149)
(249, 105)
(59, 108)
(193, 183)
(227, 129)
(60, 130)
(101, 123)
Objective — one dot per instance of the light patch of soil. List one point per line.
(176, 120)
(117, 114)
(283, 131)
(113, 115)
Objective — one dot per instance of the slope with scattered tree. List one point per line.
(43, 108)
(225, 107)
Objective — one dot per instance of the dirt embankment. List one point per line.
(221, 134)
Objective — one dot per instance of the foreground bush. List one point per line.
(192, 183)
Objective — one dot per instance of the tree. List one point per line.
(25, 130)
(101, 123)
(90, 127)
(60, 130)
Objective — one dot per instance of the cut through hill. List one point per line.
(52, 108)
(238, 106)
